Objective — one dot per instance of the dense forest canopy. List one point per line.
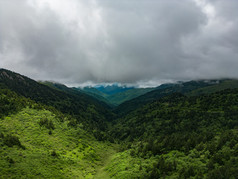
(183, 130)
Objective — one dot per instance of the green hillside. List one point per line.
(184, 130)
(96, 94)
(85, 109)
(118, 98)
(37, 143)
(217, 86)
(191, 88)
(158, 93)
(179, 137)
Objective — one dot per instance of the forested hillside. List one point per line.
(184, 130)
(181, 137)
(191, 88)
(85, 109)
(36, 142)
(116, 96)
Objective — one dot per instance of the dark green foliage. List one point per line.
(92, 113)
(159, 92)
(96, 94)
(47, 123)
(191, 88)
(115, 99)
(10, 160)
(10, 102)
(172, 132)
(195, 126)
(119, 98)
(11, 140)
(54, 154)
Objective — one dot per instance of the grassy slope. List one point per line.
(66, 153)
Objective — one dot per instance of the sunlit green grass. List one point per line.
(62, 152)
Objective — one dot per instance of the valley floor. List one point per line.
(101, 172)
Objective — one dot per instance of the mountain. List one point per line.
(118, 94)
(218, 85)
(180, 137)
(112, 89)
(189, 88)
(121, 97)
(40, 142)
(96, 94)
(93, 113)
(180, 130)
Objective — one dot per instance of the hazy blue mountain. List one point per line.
(112, 89)
(118, 98)
(114, 94)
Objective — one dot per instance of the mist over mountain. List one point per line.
(102, 89)
(137, 42)
(177, 130)
(112, 89)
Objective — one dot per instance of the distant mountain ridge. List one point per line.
(178, 130)
(114, 94)
(85, 108)
(190, 88)
(112, 89)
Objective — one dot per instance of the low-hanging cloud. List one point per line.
(76, 41)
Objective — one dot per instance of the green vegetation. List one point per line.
(96, 94)
(92, 113)
(191, 88)
(117, 98)
(185, 130)
(218, 85)
(35, 143)
(183, 137)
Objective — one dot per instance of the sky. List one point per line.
(135, 42)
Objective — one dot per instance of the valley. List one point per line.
(178, 130)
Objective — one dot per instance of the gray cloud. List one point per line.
(142, 41)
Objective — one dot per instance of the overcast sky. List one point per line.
(127, 41)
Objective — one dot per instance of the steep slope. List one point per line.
(92, 92)
(95, 91)
(38, 143)
(118, 97)
(218, 85)
(112, 89)
(179, 137)
(184, 130)
(191, 88)
(96, 94)
(86, 109)
(10, 102)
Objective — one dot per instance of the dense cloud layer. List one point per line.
(136, 41)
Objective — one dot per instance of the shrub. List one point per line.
(47, 123)
(11, 140)
(54, 154)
